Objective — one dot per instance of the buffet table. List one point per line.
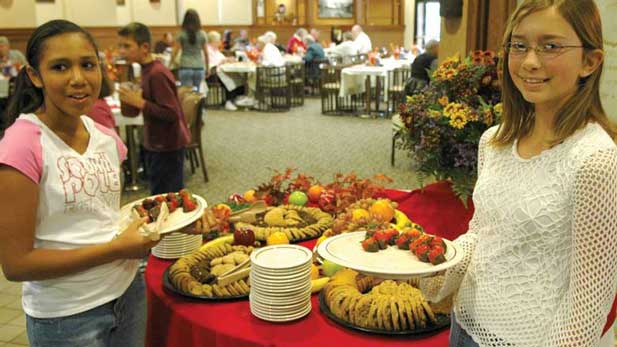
(179, 321)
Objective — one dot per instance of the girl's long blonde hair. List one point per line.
(518, 115)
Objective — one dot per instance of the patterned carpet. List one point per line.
(243, 147)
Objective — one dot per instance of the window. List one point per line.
(428, 22)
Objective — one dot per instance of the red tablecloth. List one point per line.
(178, 321)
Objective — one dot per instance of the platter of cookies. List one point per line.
(383, 307)
(356, 251)
(218, 271)
(298, 223)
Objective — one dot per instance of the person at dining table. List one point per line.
(165, 132)
(539, 258)
(10, 57)
(314, 55)
(241, 43)
(216, 59)
(361, 40)
(296, 44)
(345, 50)
(422, 65)
(270, 55)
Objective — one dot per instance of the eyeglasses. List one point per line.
(546, 50)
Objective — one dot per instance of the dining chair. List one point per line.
(295, 76)
(272, 90)
(396, 88)
(192, 107)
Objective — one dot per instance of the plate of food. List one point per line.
(184, 208)
(391, 254)
(204, 275)
(384, 307)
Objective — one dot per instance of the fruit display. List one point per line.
(295, 222)
(387, 305)
(150, 207)
(427, 248)
(368, 214)
(198, 273)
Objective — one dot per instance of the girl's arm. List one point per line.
(593, 271)
(22, 262)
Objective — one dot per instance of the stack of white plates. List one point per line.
(176, 245)
(281, 282)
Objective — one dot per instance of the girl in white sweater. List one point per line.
(540, 266)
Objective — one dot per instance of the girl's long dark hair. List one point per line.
(191, 24)
(27, 98)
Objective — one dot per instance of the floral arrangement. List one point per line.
(443, 124)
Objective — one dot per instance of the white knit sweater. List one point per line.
(540, 266)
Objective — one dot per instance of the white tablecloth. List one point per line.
(353, 77)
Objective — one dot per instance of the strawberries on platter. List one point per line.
(370, 245)
(427, 248)
(150, 207)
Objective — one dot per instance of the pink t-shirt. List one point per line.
(78, 206)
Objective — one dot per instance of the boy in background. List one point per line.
(165, 131)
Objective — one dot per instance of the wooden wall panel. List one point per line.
(379, 12)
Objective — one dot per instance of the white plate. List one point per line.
(281, 257)
(390, 263)
(280, 301)
(269, 290)
(176, 220)
(285, 318)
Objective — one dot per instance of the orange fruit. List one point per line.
(382, 210)
(314, 193)
(277, 238)
(314, 272)
(358, 214)
(249, 195)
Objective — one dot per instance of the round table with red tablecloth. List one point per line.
(179, 321)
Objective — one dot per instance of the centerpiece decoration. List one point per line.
(444, 123)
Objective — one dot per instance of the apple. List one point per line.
(244, 237)
(298, 198)
(329, 268)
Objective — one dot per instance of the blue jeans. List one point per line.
(120, 322)
(165, 171)
(191, 77)
(458, 336)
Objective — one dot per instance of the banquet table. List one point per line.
(357, 80)
(179, 321)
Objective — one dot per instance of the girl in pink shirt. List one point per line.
(59, 227)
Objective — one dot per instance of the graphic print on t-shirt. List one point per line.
(87, 180)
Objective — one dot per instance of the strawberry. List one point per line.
(436, 255)
(382, 239)
(160, 199)
(184, 192)
(171, 196)
(403, 241)
(172, 205)
(413, 233)
(148, 203)
(393, 234)
(188, 205)
(438, 241)
(422, 252)
(370, 245)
